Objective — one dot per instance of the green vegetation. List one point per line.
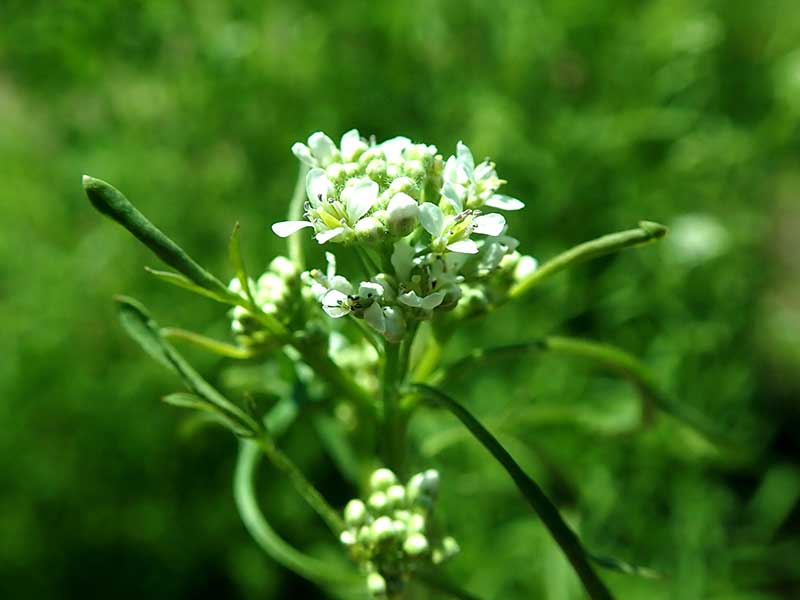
(600, 115)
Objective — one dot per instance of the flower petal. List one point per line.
(403, 259)
(433, 300)
(410, 299)
(504, 202)
(464, 247)
(350, 142)
(465, 158)
(327, 236)
(491, 224)
(453, 195)
(370, 290)
(485, 170)
(450, 172)
(318, 186)
(303, 153)
(375, 318)
(432, 218)
(335, 304)
(322, 147)
(393, 148)
(360, 198)
(287, 228)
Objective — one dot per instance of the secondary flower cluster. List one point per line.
(390, 534)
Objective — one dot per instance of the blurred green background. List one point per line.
(598, 113)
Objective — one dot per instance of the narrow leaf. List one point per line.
(237, 262)
(207, 343)
(110, 202)
(548, 513)
(180, 281)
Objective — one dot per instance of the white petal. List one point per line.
(491, 224)
(287, 228)
(525, 266)
(337, 282)
(370, 290)
(318, 186)
(330, 258)
(453, 194)
(327, 236)
(350, 142)
(335, 304)
(504, 202)
(465, 158)
(322, 147)
(464, 247)
(410, 299)
(432, 218)
(360, 199)
(433, 300)
(402, 259)
(302, 152)
(393, 148)
(485, 170)
(374, 317)
(450, 172)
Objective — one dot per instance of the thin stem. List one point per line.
(548, 513)
(245, 495)
(613, 242)
(391, 415)
(304, 487)
(295, 242)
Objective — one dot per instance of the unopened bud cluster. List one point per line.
(421, 226)
(390, 534)
(274, 292)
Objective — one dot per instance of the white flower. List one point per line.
(332, 218)
(427, 303)
(322, 152)
(452, 232)
(402, 214)
(468, 186)
(393, 148)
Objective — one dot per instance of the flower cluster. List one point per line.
(390, 535)
(421, 228)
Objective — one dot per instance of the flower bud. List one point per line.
(525, 266)
(414, 169)
(415, 544)
(376, 169)
(283, 267)
(378, 501)
(416, 523)
(396, 495)
(347, 537)
(392, 171)
(370, 230)
(364, 534)
(336, 173)
(395, 325)
(355, 151)
(355, 513)
(383, 529)
(403, 184)
(351, 169)
(402, 214)
(446, 550)
(376, 585)
(382, 479)
(369, 155)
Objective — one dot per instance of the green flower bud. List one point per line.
(355, 151)
(395, 325)
(376, 585)
(369, 155)
(414, 169)
(396, 495)
(382, 479)
(283, 267)
(383, 529)
(376, 170)
(402, 214)
(400, 527)
(447, 549)
(416, 523)
(364, 534)
(525, 266)
(336, 173)
(378, 501)
(392, 171)
(370, 230)
(351, 169)
(355, 513)
(403, 184)
(347, 537)
(415, 544)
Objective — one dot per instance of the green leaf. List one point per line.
(207, 343)
(548, 513)
(137, 322)
(110, 202)
(180, 281)
(237, 262)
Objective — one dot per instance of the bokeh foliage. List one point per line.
(598, 113)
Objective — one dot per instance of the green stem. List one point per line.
(255, 522)
(439, 584)
(304, 487)
(392, 425)
(548, 513)
(295, 242)
(613, 242)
